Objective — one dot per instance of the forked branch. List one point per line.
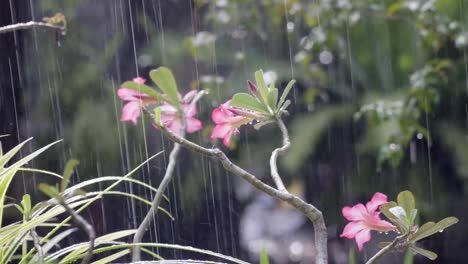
(307, 209)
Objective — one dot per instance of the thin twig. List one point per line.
(307, 209)
(389, 248)
(37, 244)
(136, 251)
(85, 226)
(274, 156)
(30, 25)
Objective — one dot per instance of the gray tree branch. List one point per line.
(310, 211)
(30, 25)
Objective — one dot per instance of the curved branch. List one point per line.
(136, 251)
(85, 226)
(31, 24)
(274, 156)
(389, 248)
(307, 209)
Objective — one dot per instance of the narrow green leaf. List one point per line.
(67, 173)
(264, 257)
(49, 190)
(142, 88)
(272, 98)
(26, 202)
(430, 228)
(427, 253)
(113, 257)
(246, 101)
(285, 93)
(262, 88)
(165, 80)
(259, 125)
(157, 117)
(405, 199)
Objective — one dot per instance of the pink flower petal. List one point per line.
(219, 116)
(193, 125)
(352, 228)
(175, 126)
(227, 138)
(220, 131)
(377, 200)
(363, 237)
(139, 80)
(189, 110)
(380, 225)
(354, 213)
(128, 94)
(189, 96)
(131, 112)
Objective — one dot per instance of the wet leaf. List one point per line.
(262, 88)
(431, 228)
(261, 124)
(272, 97)
(26, 202)
(165, 80)
(157, 117)
(49, 190)
(246, 101)
(264, 256)
(286, 92)
(427, 253)
(67, 173)
(405, 199)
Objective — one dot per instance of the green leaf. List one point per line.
(49, 190)
(262, 88)
(402, 226)
(272, 97)
(165, 80)
(246, 101)
(67, 173)
(405, 199)
(113, 257)
(142, 88)
(261, 124)
(26, 202)
(286, 92)
(430, 228)
(427, 253)
(264, 256)
(157, 117)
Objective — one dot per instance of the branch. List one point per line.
(37, 244)
(136, 251)
(307, 209)
(389, 248)
(85, 226)
(30, 25)
(274, 156)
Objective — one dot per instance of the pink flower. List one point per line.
(227, 120)
(136, 100)
(363, 219)
(172, 119)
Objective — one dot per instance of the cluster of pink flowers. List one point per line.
(227, 119)
(170, 116)
(363, 219)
